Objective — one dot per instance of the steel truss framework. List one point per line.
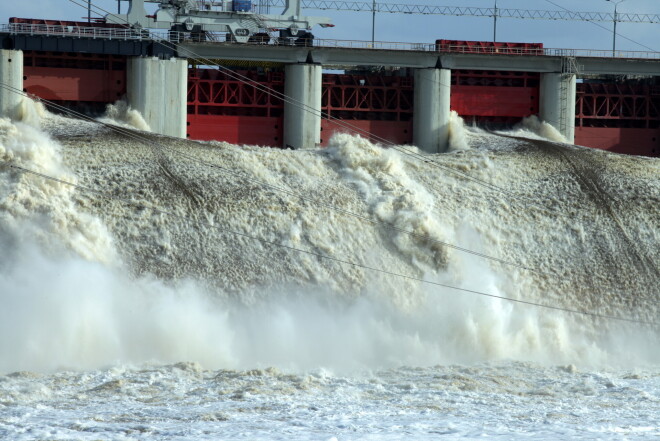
(469, 11)
(617, 105)
(367, 97)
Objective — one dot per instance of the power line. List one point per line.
(426, 158)
(163, 163)
(608, 30)
(473, 11)
(390, 226)
(325, 256)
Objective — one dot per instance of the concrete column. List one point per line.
(158, 90)
(11, 81)
(431, 112)
(302, 116)
(557, 102)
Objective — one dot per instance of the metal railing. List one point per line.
(120, 33)
(94, 32)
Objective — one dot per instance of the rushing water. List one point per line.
(190, 290)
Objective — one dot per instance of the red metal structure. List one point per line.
(494, 96)
(88, 80)
(489, 47)
(620, 117)
(223, 107)
(380, 107)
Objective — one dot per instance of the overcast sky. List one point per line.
(426, 29)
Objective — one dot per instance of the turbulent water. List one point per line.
(154, 288)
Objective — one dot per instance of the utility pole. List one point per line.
(495, 23)
(616, 3)
(89, 11)
(373, 22)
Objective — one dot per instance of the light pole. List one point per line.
(616, 3)
(373, 22)
(89, 11)
(495, 23)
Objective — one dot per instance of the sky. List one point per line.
(426, 29)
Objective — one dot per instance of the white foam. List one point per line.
(71, 301)
(533, 127)
(122, 115)
(458, 136)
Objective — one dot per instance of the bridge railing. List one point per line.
(120, 33)
(77, 31)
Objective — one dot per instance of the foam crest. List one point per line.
(122, 115)
(533, 127)
(393, 197)
(33, 207)
(458, 136)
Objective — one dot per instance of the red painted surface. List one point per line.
(253, 130)
(398, 132)
(620, 117)
(618, 105)
(480, 101)
(367, 97)
(215, 92)
(63, 84)
(489, 47)
(494, 97)
(74, 77)
(645, 142)
(221, 106)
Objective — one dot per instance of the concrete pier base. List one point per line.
(11, 79)
(158, 90)
(432, 109)
(302, 115)
(557, 102)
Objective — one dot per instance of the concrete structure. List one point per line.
(302, 108)
(557, 102)
(431, 113)
(158, 90)
(11, 81)
(591, 63)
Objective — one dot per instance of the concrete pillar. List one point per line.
(11, 81)
(557, 102)
(302, 116)
(158, 90)
(431, 112)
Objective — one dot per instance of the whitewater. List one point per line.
(159, 288)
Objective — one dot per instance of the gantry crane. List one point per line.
(234, 17)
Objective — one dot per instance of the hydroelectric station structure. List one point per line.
(218, 70)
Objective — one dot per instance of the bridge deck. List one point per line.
(326, 52)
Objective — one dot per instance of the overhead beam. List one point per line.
(414, 59)
(472, 11)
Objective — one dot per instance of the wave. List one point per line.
(89, 280)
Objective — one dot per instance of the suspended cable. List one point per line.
(387, 225)
(611, 18)
(327, 257)
(471, 11)
(342, 123)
